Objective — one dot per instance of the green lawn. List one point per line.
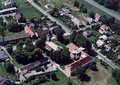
(2, 70)
(116, 36)
(61, 80)
(26, 9)
(112, 81)
(59, 43)
(91, 8)
(1, 5)
(16, 63)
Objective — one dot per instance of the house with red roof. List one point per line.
(97, 17)
(74, 50)
(103, 29)
(84, 59)
(30, 30)
(100, 43)
(79, 57)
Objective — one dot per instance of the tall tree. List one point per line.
(9, 67)
(65, 54)
(72, 36)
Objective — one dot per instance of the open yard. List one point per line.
(27, 10)
(2, 69)
(1, 5)
(100, 77)
(62, 80)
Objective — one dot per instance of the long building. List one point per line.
(8, 11)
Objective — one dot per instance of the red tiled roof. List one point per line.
(72, 46)
(97, 16)
(29, 31)
(81, 62)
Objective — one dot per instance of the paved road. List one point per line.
(49, 16)
(105, 59)
(106, 10)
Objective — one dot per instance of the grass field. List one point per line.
(27, 10)
(100, 77)
(2, 70)
(1, 5)
(62, 80)
(16, 63)
(91, 8)
(112, 81)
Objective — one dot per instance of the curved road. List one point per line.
(104, 9)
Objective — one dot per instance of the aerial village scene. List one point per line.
(59, 42)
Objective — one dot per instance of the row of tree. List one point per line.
(116, 75)
(80, 72)
(61, 57)
(112, 4)
(78, 39)
(80, 6)
(25, 52)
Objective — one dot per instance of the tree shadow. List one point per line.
(84, 77)
(65, 62)
(92, 53)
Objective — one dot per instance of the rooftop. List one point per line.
(31, 66)
(3, 55)
(17, 16)
(83, 60)
(8, 9)
(29, 30)
(42, 32)
(100, 43)
(72, 46)
(16, 37)
(53, 46)
(97, 16)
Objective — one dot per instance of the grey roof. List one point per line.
(17, 16)
(16, 37)
(4, 80)
(3, 55)
(1, 40)
(43, 32)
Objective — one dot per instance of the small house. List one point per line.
(100, 43)
(74, 50)
(50, 46)
(30, 30)
(87, 33)
(97, 17)
(103, 37)
(3, 55)
(103, 29)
